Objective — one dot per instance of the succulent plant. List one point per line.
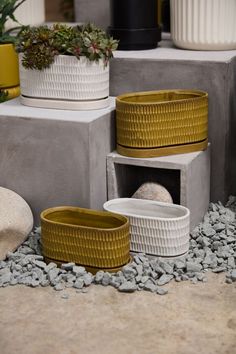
(40, 45)
(3, 95)
(7, 9)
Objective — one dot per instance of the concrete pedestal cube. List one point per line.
(55, 157)
(186, 176)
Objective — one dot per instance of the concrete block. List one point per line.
(170, 68)
(55, 157)
(186, 177)
(94, 11)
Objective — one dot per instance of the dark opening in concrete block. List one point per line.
(130, 178)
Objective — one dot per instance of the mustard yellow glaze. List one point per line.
(160, 122)
(13, 92)
(92, 238)
(9, 68)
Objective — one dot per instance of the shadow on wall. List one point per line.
(59, 10)
(95, 11)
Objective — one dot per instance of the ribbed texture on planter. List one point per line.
(204, 24)
(67, 78)
(95, 239)
(150, 123)
(31, 12)
(157, 228)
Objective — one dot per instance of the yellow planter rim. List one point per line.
(171, 96)
(45, 216)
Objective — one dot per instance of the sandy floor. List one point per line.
(190, 319)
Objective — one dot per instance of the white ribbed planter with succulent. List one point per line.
(65, 67)
(31, 12)
(73, 83)
(204, 24)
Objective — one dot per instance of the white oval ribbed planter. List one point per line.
(157, 228)
(31, 12)
(68, 83)
(204, 24)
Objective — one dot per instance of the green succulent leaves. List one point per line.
(7, 9)
(40, 45)
(3, 95)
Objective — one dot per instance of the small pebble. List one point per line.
(59, 287)
(67, 266)
(161, 291)
(79, 283)
(78, 271)
(200, 276)
(88, 279)
(98, 277)
(50, 266)
(219, 269)
(233, 275)
(149, 286)
(184, 277)
(106, 279)
(178, 279)
(128, 287)
(164, 279)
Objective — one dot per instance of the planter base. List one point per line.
(166, 258)
(13, 92)
(63, 104)
(162, 151)
(92, 270)
(136, 39)
(204, 46)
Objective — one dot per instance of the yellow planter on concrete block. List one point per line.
(158, 123)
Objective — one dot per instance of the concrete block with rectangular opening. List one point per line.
(186, 177)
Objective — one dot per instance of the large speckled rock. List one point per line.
(16, 221)
(153, 191)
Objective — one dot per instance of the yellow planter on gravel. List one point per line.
(9, 70)
(95, 239)
(158, 123)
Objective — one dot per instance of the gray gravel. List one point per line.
(212, 248)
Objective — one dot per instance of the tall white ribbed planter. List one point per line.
(31, 12)
(156, 228)
(68, 83)
(204, 24)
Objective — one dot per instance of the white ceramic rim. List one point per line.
(146, 201)
(64, 104)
